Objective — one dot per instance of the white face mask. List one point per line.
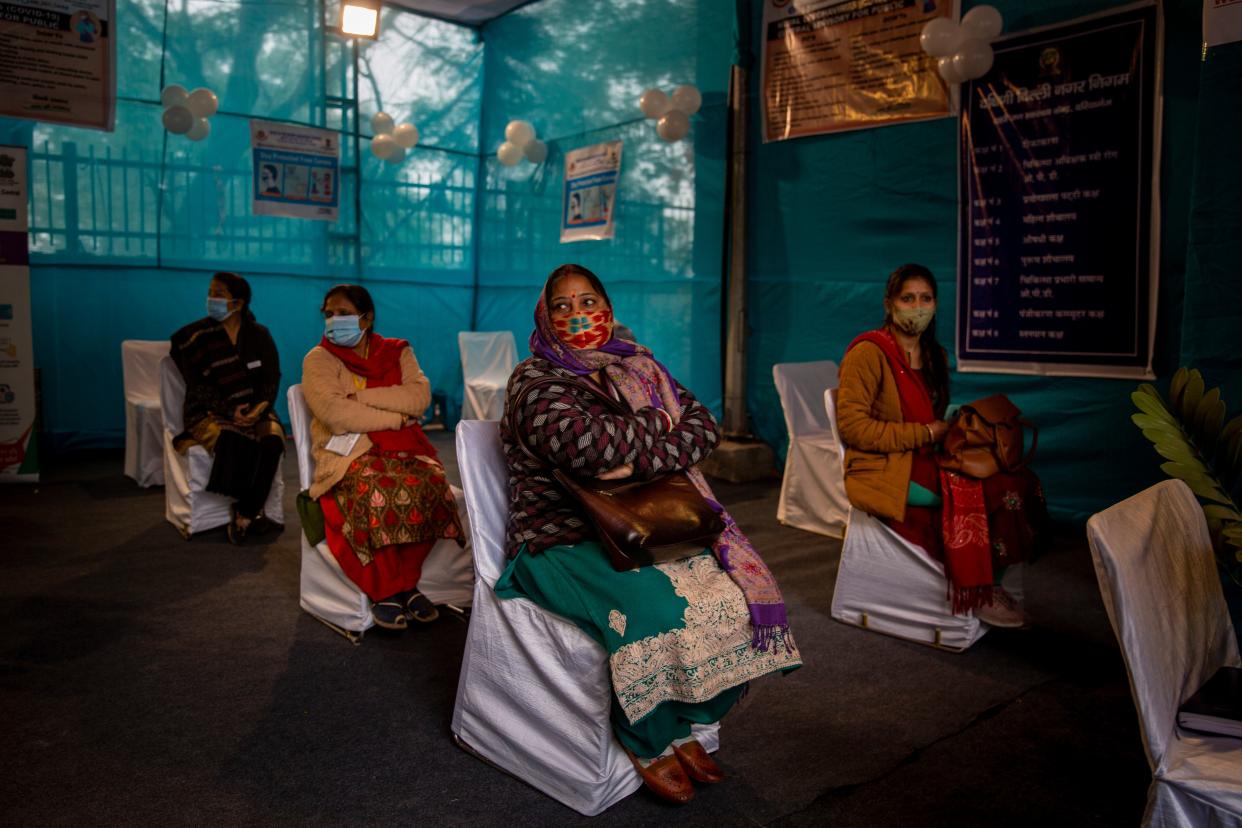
(913, 321)
(218, 308)
(343, 330)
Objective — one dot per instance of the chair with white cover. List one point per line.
(534, 694)
(327, 594)
(487, 360)
(144, 444)
(187, 503)
(887, 584)
(813, 489)
(1161, 587)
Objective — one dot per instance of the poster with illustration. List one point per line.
(591, 175)
(18, 456)
(58, 61)
(295, 170)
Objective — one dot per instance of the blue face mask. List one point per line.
(218, 309)
(342, 330)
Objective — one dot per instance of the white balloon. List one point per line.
(519, 133)
(396, 156)
(382, 146)
(673, 126)
(406, 135)
(200, 130)
(940, 37)
(536, 151)
(174, 95)
(178, 120)
(203, 102)
(973, 59)
(509, 153)
(947, 70)
(982, 23)
(381, 123)
(687, 99)
(654, 103)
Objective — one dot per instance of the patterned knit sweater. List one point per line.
(576, 431)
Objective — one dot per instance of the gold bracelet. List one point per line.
(930, 434)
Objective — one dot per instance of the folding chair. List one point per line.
(534, 694)
(887, 584)
(1158, 577)
(487, 360)
(187, 503)
(813, 489)
(325, 591)
(144, 443)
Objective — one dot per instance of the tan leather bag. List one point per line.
(986, 437)
(639, 522)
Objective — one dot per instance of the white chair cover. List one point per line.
(813, 490)
(887, 584)
(144, 443)
(327, 593)
(1159, 581)
(487, 360)
(187, 503)
(534, 693)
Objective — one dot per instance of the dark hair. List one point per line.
(238, 288)
(935, 363)
(272, 167)
(357, 295)
(572, 270)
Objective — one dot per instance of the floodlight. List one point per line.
(360, 18)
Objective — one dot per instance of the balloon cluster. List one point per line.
(671, 113)
(186, 113)
(391, 139)
(963, 51)
(520, 142)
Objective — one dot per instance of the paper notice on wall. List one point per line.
(832, 65)
(296, 171)
(591, 175)
(58, 61)
(18, 458)
(1222, 21)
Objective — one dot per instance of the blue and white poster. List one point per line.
(591, 175)
(1058, 243)
(296, 171)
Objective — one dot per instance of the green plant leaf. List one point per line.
(1152, 407)
(1156, 435)
(1205, 414)
(1148, 421)
(1181, 452)
(1232, 532)
(1191, 397)
(1214, 512)
(1177, 386)
(1231, 428)
(1199, 483)
(1150, 390)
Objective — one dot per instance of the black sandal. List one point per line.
(418, 607)
(389, 613)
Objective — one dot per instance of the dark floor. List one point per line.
(149, 680)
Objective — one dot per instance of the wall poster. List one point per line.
(297, 171)
(1058, 242)
(18, 455)
(590, 196)
(832, 65)
(58, 61)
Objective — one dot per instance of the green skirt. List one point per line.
(678, 635)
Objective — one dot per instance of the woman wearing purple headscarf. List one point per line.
(683, 638)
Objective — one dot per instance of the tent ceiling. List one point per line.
(466, 12)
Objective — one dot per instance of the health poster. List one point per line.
(296, 171)
(18, 455)
(591, 175)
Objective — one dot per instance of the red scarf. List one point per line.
(381, 368)
(966, 549)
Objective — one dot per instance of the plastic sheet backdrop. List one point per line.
(127, 227)
(575, 70)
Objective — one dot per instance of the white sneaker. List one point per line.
(1003, 611)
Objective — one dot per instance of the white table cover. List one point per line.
(487, 360)
(327, 593)
(534, 692)
(144, 423)
(813, 489)
(1158, 577)
(187, 503)
(887, 584)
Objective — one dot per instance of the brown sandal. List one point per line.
(665, 777)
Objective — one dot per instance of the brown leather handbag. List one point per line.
(986, 438)
(639, 522)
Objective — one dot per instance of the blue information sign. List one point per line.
(1056, 244)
